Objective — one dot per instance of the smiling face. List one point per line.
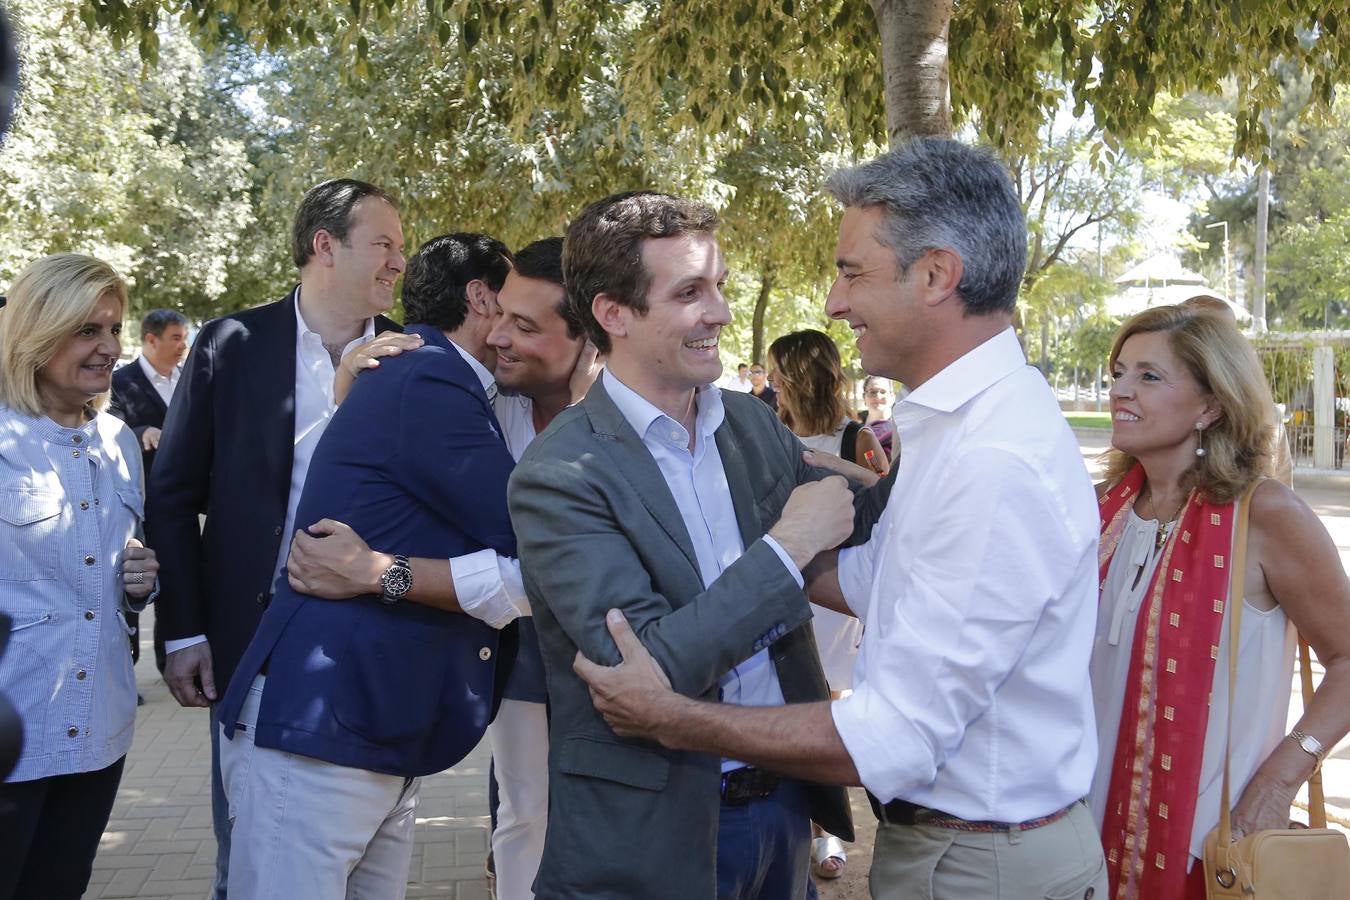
(81, 368)
(370, 260)
(1155, 400)
(880, 305)
(667, 352)
(535, 354)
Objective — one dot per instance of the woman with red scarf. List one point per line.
(1190, 434)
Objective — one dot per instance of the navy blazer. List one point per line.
(136, 402)
(413, 461)
(226, 452)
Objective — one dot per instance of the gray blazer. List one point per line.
(597, 528)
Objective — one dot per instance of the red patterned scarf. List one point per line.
(1155, 771)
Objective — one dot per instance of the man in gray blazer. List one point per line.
(691, 510)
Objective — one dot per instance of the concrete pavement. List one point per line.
(159, 842)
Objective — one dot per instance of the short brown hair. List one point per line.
(1238, 445)
(328, 207)
(602, 253)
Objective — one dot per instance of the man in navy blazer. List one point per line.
(337, 708)
(254, 398)
(140, 397)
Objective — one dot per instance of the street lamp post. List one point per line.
(1227, 285)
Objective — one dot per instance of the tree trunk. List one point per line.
(1262, 220)
(757, 321)
(914, 62)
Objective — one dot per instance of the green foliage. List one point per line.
(732, 64)
(143, 168)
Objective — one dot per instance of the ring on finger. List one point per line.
(135, 577)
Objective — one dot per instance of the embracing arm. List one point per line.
(580, 561)
(1303, 571)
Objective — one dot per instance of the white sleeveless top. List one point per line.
(838, 636)
(1265, 668)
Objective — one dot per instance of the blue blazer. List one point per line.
(414, 462)
(226, 453)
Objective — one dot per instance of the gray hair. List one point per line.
(940, 193)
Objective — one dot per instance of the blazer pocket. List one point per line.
(391, 685)
(621, 763)
(30, 535)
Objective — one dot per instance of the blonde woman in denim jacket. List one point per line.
(71, 567)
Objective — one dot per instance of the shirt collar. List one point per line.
(642, 414)
(963, 379)
(484, 376)
(154, 376)
(302, 328)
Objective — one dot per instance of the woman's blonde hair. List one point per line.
(809, 378)
(48, 303)
(1238, 445)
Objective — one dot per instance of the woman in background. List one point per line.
(878, 401)
(71, 566)
(811, 391)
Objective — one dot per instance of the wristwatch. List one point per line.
(396, 581)
(1309, 745)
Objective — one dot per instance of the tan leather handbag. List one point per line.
(1281, 863)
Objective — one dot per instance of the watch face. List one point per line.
(396, 580)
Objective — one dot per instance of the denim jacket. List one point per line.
(70, 498)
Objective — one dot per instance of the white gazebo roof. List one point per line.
(1162, 280)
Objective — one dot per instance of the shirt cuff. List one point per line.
(889, 754)
(482, 589)
(787, 560)
(854, 583)
(183, 643)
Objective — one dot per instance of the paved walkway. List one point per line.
(159, 842)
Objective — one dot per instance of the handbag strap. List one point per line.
(1317, 815)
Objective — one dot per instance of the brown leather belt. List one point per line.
(902, 812)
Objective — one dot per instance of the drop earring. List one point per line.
(1200, 438)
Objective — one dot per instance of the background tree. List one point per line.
(144, 168)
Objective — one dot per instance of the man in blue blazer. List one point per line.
(255, 395)
(337, 708)
(140, 397)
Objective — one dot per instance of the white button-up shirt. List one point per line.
(698, 482)
(978, 590)
(164, 385)
(314, 406)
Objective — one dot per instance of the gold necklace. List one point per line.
(1164, 528)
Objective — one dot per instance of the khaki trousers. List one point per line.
(1058, 861)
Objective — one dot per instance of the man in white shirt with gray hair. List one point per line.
(971, 722)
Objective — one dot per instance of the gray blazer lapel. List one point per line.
(628, 455)
(738, 479)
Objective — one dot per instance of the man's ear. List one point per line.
(613, 316)
(941, 271)
(322, 246)
(480, 297)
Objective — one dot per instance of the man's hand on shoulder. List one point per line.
(367, 356)
(185, 669)
(333, 562)
(818, 516)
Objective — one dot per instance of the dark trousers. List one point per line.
(764, 847)
(49, 832)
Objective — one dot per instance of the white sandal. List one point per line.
(824, 849)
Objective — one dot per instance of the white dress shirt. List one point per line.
(698, 482)
(314, 406)
(164, 385)
(978, 590)
(488, 586)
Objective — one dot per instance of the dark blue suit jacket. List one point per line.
(414, 462)
(226, 452)
(136, 402)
